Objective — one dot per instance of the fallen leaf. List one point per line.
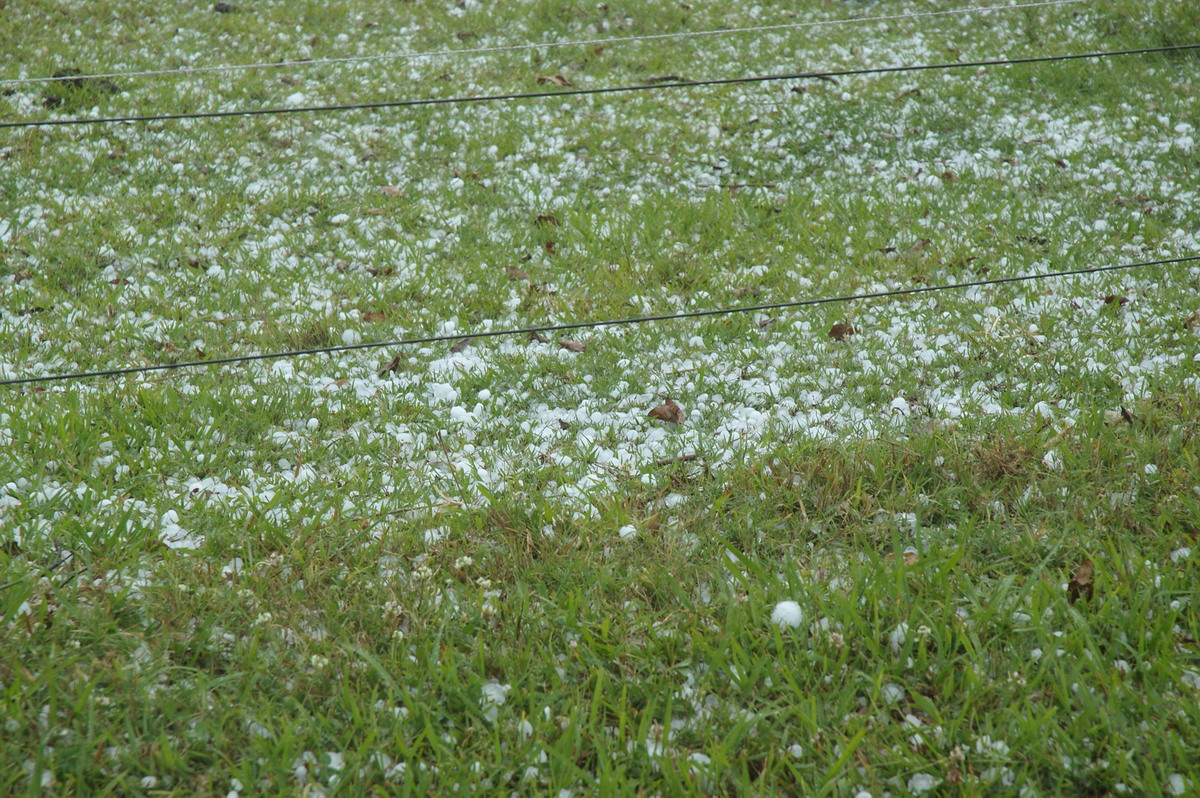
(841, 331)
(547, 218)
(517, 274)
(340, 265)
(917, 247)
(1081, 584)
(1125, 414)
(765, 323)
(392, 367)
(372, 316)
(564, 424)
(1189, 323)
(549, 247)
(460, 346)
(224, 8)
(910, 558)
(537, 336)
(557, 80)
(1060, 163)
(391, 191)
(948, 176)
(668, 412)
(380, 272)
(683, 458)
(1116, 298)
(573, 346)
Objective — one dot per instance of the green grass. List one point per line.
(489, 572)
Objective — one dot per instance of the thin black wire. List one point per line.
(579, 325)
(582, 92)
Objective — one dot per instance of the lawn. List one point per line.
(941, 543)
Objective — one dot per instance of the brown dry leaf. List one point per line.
(549, 247)
(392, 367)
(1125, 414)
(668, 412)
(537, 336)
(1060, 163)
(460, 346)
(557, 80)
(564, 424)
(1081, 584)
(948, 176)
(841, 331)
(910, 558)
(1118, 299)
(1191, 321)
(380, 272)
(517, 274)
(341, 265)
(547, 218)
(391, 191)
(573, 346)
(917, 247)
(373, 316)
(767, 322)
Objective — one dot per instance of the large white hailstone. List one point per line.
(787, 613)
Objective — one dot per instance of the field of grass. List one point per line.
(953, 552)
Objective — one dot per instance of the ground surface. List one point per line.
(485, 567)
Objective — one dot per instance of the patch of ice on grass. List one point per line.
(174, 536)
(442, 392)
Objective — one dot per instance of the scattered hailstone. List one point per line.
(922, 783)
(627, 532)
(891, 693)
(493, 697)
(787, 613)
(351, 337)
